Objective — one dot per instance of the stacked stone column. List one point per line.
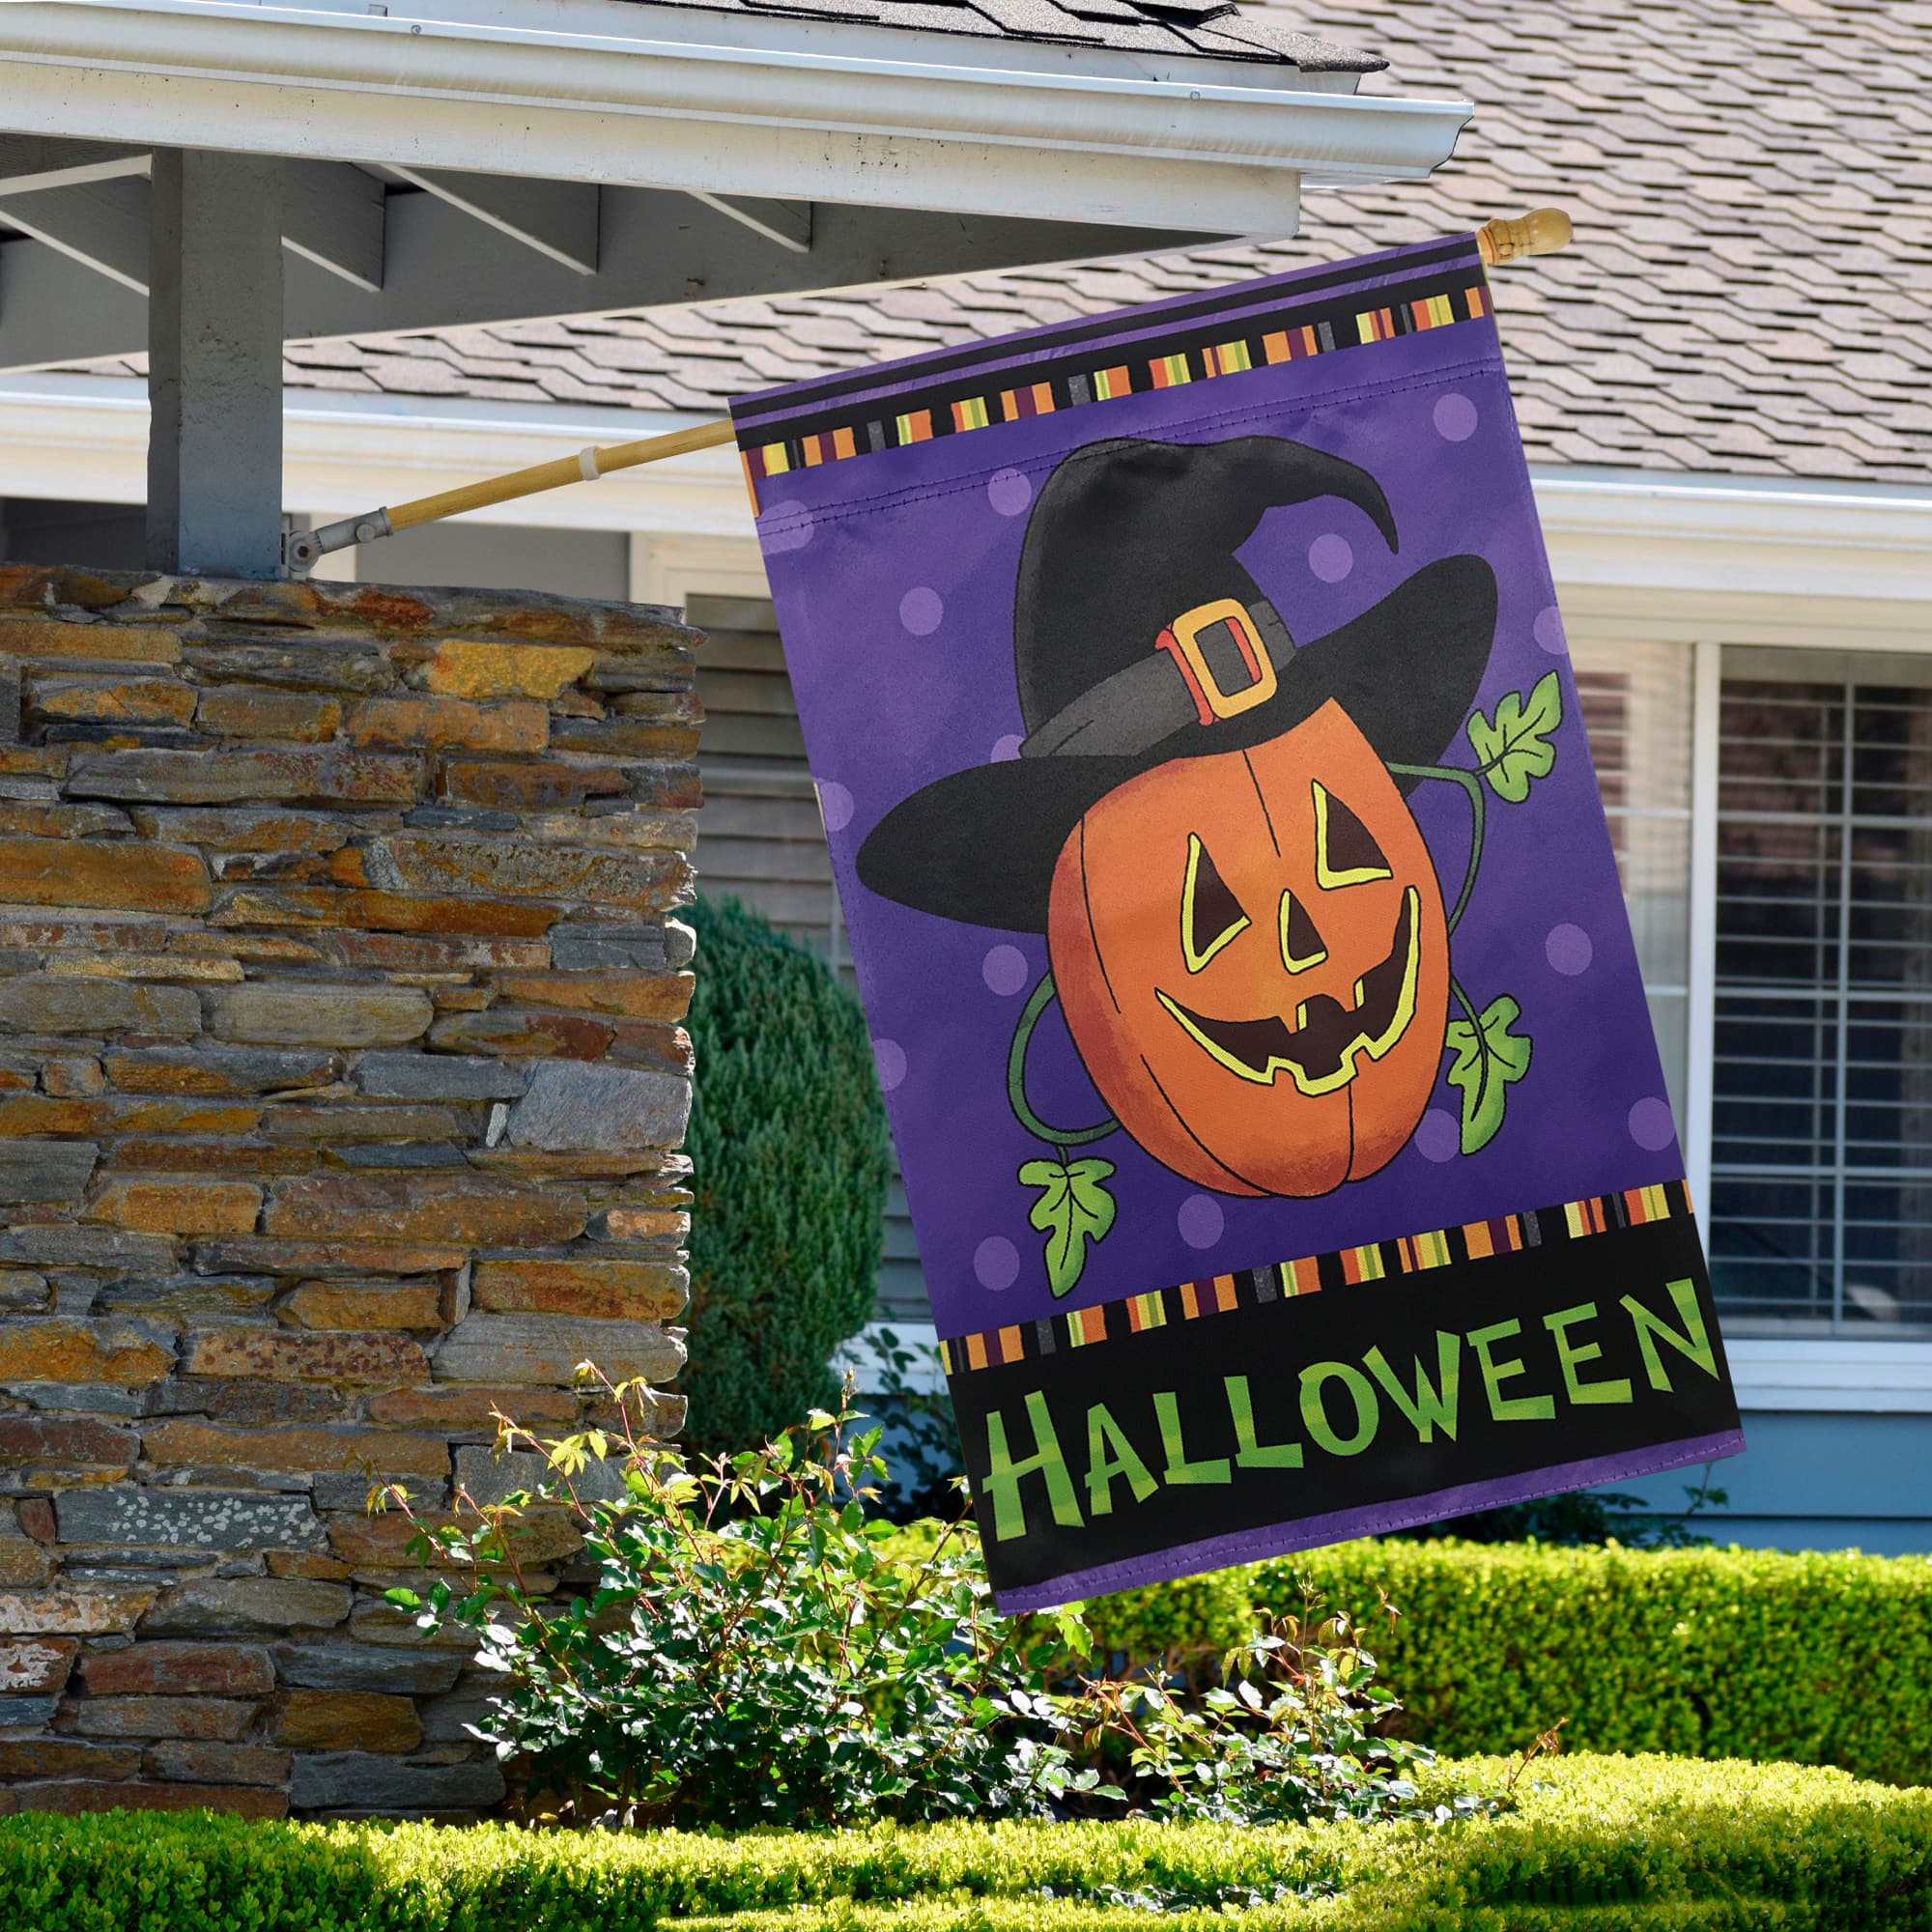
(341, 1076)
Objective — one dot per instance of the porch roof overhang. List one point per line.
(206, 179)
(479, 160)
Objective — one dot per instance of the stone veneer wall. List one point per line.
(340, 1071)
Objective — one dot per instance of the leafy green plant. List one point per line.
(758, 1648)
(790, 1165)
(747, 1655)
(1287, 1732)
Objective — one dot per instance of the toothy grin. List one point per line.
(1322, 1050)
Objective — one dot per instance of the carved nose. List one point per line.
(1302, 943)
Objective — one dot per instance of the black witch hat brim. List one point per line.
(980, 845)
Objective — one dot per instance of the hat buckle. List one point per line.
(1181, 640)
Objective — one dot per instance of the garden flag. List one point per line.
(1236, 924)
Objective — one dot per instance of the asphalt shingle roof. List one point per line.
(1749, 290)
(1137, 26)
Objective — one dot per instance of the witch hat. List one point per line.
(1138, 637)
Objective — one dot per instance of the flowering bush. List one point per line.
(751, 1649)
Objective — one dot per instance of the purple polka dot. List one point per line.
(835, 805)
(1009, 492)
(1651, 1125)
(1004, 968)
(996, 1263)
(1568, 949)
(783, 527)
(1455, 418)
(921, 609)
(1006, 750)
(1549, 630)
(889, 1057)
(1200, 1221)
(1330, 558)
(1438, 1137)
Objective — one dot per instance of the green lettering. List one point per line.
(1315, 1418)
(1248, 1453)
(1694, 1342)
(1514, 1407)
(1004, 1475)
(1569, 1355)
(1179, 1470)
(1427, 1410)
(1109, 1454)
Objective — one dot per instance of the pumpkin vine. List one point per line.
(1513, 750)
(1061, 1138)
(1075, 1206)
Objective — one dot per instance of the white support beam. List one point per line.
(46, 295)
(556, 219)
(101, 225)
(332, 216)
(443, 269)
(789, 224)
(31, 161)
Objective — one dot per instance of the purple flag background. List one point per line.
(895, 570)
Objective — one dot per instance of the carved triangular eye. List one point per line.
(1211, 915)
(1346, 852)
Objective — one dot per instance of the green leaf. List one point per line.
(1516, 749)
(1074, 1208)
(1071, 1624)
(1490, 1058)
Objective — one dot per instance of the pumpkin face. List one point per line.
(1251, 956)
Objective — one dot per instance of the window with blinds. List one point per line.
(1821, 1177)
(761, 838)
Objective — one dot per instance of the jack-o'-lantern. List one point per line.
(1251, 955)
(1209, 821)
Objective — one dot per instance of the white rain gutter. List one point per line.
(1746, 537)
(1079, 134)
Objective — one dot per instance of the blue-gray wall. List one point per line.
(1811, 1481)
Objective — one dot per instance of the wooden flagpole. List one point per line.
(1541, 232)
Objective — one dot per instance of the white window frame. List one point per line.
(1840, 1374)
(673, 569)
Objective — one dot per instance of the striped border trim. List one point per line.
(1380, 1260)
(1269, 337)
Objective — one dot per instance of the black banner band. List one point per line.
(1469, 1375)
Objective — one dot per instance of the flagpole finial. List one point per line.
(1541, 232)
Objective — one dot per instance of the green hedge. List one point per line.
(1597, 1843)
(790, 1164)
(1712, 1652)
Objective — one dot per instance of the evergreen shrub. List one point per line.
(1607, 1844)
(1712, 1652)
(791, 1163)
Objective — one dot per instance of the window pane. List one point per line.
(1821, 1149)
